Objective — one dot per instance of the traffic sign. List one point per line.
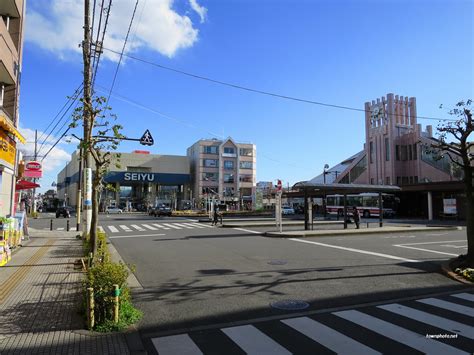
(278, 185)
(147, 139)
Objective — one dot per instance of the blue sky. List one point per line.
(336, 52)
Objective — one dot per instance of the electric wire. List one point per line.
(262, 92)
(102, 44)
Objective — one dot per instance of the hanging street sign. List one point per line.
(147, 139)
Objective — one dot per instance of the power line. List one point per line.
(235, 86)
(98, 29)
(123, 50)
(102, 43)
(54, 145)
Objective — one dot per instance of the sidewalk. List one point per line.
(40, 296)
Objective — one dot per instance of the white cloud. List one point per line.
(200, 10)
(57, 26)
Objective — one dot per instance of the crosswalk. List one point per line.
(434, 325)
(153, 227)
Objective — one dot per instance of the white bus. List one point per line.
(367, 204)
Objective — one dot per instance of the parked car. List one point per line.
(160, 211)
(110, 210)
(64, 212)
(287, 210)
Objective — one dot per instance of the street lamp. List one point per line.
(326, 166)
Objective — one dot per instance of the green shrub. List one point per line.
(127, 315)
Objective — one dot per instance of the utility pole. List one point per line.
(87, 113)
(34, 180)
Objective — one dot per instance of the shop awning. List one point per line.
(25, 185)
(7, 125)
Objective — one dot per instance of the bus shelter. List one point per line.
(309, 190)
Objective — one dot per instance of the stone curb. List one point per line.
(269, 224)
(328, 233)
(446, 269)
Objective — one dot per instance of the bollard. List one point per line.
(116, 303)
(90, 308)
(67, 225)
(90, 259)
(51, 225)
(367, 224)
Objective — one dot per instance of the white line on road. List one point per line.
(171, 225)
(253, 341)
(328, 337)
(427, 250)
(160, 226)
(357, 250)
(247, 230)
(183, 225)
(176, 344)
(149, 227)
(113, 229)
(60, 229)
(446, 241)
(194, 225)
(465, 296)
(399, 334)
(138, 228)
(469, 311)
(125, 228)
(135, 236)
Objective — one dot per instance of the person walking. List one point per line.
(356, 216)
(215, 216)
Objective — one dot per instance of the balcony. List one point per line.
(8, 57)
(11, 8)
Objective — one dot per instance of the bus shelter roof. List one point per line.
(343, 189)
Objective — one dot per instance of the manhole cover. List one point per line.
(277, 262)
(290, 305)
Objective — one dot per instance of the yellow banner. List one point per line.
(7, 149)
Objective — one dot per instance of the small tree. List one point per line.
(99, 146)
(454, 143)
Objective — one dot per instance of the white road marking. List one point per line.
(206, 226)
(454, 307)
(149, 227)
(160, 226)
(172, 226)
(422, 249)
(328, 337)
(453, 246)
(176, 344)
(183, 225)
(356, 250)
(399, 334)
(135, 236)
(125, 228)
(465, 296)
(445, 241)
(253, 341)
(60, 229)
(436, 321)
(113, 229)
(138, 228)
(247, 230)
(194, 225)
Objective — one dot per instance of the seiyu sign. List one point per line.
(139, 177)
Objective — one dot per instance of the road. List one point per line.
(211, 288)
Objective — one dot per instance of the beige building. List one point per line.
(11, 42)
(223, 170)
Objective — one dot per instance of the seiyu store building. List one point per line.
(142, 180)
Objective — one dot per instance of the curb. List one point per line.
(330, 233)
(446, 269)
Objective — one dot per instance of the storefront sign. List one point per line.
(139, 177)
(88, 187)
(33, 165)
(7, 150)
(33, 170)
(449, 206)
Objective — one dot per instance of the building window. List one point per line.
(399, 180)
(397, 152)
(415, 179)
(210, 190)
(410, 153)
(387, 180)
(404, 180)
(410, 179)
(415, 155)
(246, 178)
(229, 178)
(228, 164)
(210, 176)
(209, 149)
(229, 150)
(246, 165)
(387, 149)
(371, 181)
(404, 152)
(371, 152)
(246, 152)
(228, 191)
(210, 163)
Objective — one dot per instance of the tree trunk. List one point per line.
(95, 211)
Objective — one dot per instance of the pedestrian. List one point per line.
(215, 215)
(356, 216)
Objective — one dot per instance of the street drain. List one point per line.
(290, 305)
(277, 262)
